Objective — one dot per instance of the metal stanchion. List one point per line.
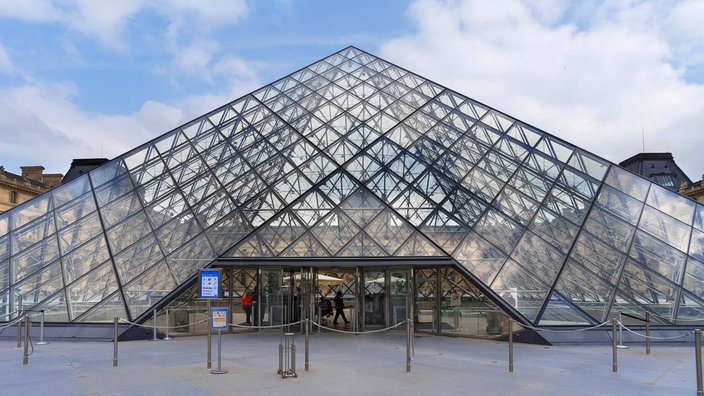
(114, 341)
(510, 345)
(166, 326)
(25, 355)
(647, 333)
(154, 325)
(620, 333)
(41, 329)
(613, 346)
(307, 324)
(287, 356)
(408, 344)
(210, 364)
(219, 370)
(19, 322)
(698, 360)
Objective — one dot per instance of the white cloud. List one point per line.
(6, 66)
(597, 85)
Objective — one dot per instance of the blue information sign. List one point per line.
(210, 283)
(219, 318)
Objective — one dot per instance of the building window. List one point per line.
(13, 197)
(664, 180)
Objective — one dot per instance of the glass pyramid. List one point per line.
(355, 157)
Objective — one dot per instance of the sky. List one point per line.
(97, 78)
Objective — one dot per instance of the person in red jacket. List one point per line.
(247, 306)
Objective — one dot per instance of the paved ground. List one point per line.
(341, 364)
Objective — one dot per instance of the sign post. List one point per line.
(209, 288)
(219, 322)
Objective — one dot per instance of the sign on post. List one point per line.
(209, 283)
(219, 316)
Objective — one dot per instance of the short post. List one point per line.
(114, 341)
(613, 346)
(408, 345)
(307, 324)
(25, 355)
(647, 333)
(41, 329)
(510, 345)
(620, 333)
(166, 325)
(19, 321)
(154, 325)
(219, 370)
(698, 360)
(210, 363)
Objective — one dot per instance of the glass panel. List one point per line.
(68, 191)
(29, 235)
(658, 257)
(80, 232)
(31, 260)
(30, 210)
(581, 184)
(694, 278)
(554, 148)
(589, 164)
(566, 204)
(128, 232)
(481, 258)
(586, 290)
(444, 230)
(560, 311)
(544, 260)
(41, 285)
(106, 311)
(554, 229)
(609, 229)
(671, 203)
(646, 289)
(138, 257)
(91, 289)
(77, 209)
(516, 205)
(107, 172)
(598, 257)
(85, 259)
(620, 204)
(499, 230)
(665, 228)
(112, 189)
(147, 290)
(530, 292)
(627, 182)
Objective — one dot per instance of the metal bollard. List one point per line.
(27, 324)
(510, 345)
(647, 333)
(41, 329)
(307, 324)
(154, 325)
(114, 341)
(166, 326)
(19, 333)
(698, 360)
(614, 347)
(408, 345)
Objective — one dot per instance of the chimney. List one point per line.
(33, 173)
(53, 179)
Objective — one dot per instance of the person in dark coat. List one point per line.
(339, 309)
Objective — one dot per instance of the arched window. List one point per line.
(13, 197)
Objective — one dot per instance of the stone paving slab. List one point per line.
(342, 364)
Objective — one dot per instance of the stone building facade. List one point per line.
(17, 189)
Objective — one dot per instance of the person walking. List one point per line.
(339, 309)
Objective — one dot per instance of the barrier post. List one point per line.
(25, 355)
(647, 333)
(510, 345)
(19, 321)
(114, 341)
(698, 360)
(307, 324)
(154, 325)
(41, 329)
(408, 344)
(613, 346)
(166, 325)
(210, 364)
